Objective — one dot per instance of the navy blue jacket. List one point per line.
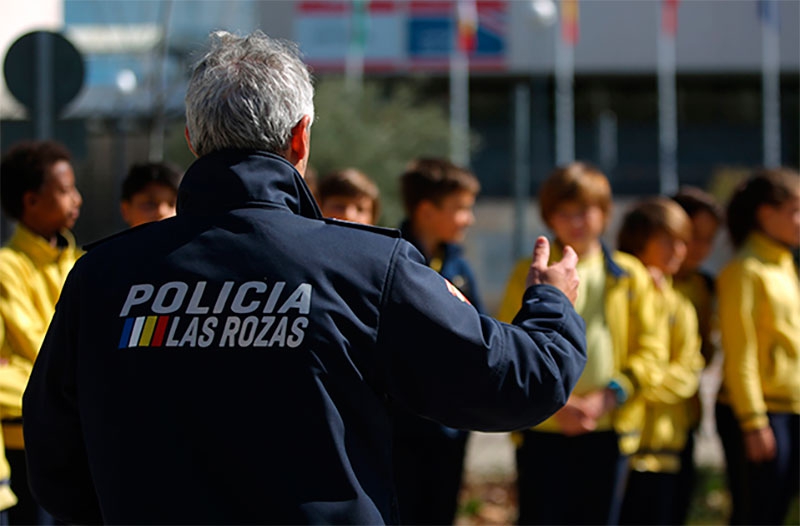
(232, 364)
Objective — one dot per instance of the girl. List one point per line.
(758, 406)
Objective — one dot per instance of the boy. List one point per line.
(37, 190)
(657, 231)
(349, 195)
(438, 197)
(149, 193)
(580, 454)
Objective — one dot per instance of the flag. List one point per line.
(570, 27)
(467, 19)
(669, 17)
(768, 13)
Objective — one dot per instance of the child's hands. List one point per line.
(759, 444)
(562, 275)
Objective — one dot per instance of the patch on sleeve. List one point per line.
(455, 292)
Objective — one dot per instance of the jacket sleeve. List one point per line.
(737, 289)
(642, 367)
(682, 374)
(58, 469)
(25, 326)
(443, 360)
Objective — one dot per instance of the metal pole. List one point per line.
(43, 119)
(354, 61)
(771, 89)
(156, 152)
(522, 166)
(667, 112)
(459, 107)
(564, 103)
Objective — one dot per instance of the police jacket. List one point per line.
(232, 364)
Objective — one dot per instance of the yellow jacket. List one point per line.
(31, 276)
(759, 313)
(7, 497)
(639, 353)
(668, 410)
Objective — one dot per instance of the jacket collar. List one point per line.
(768, 249)
(37, 247)
(229, 179)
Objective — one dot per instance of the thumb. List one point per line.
(570, 257)
(541, 253)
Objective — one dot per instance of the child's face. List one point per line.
(358, 209)
(782, 222)
(664, 252)
(448, 221)
(704, 230)
(578, 225)
(57, 204)
(154, 202)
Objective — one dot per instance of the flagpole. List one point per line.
(770, 84)
(564, 76)
(667, 97)
(459, 86)
(354, 61)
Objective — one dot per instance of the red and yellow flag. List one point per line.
(570, 26)
(467, 19)
(669, 17)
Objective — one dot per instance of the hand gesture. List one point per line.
(562, 275)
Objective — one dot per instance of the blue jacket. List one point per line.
(232, 364)
(455, 268)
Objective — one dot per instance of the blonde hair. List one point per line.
(577, 181)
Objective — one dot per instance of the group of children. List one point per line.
(39, 194)
(621, 450)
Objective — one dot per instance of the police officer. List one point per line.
(233, 364)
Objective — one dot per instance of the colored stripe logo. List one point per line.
(143, 331)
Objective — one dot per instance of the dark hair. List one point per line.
(576, 181)
(694, 200)
(433, 179)
(141, 175)
(649, 217)
(23, 169)
(349, 182)
(764, 187)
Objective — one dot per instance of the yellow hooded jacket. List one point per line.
(639, 353)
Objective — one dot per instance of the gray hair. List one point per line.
(247, 93)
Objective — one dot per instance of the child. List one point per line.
(349, 195)
(657, 231)
(758, 405)
(149, 193)
(571, 467)
(697, 285)
(37, 190)
(438, 197)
